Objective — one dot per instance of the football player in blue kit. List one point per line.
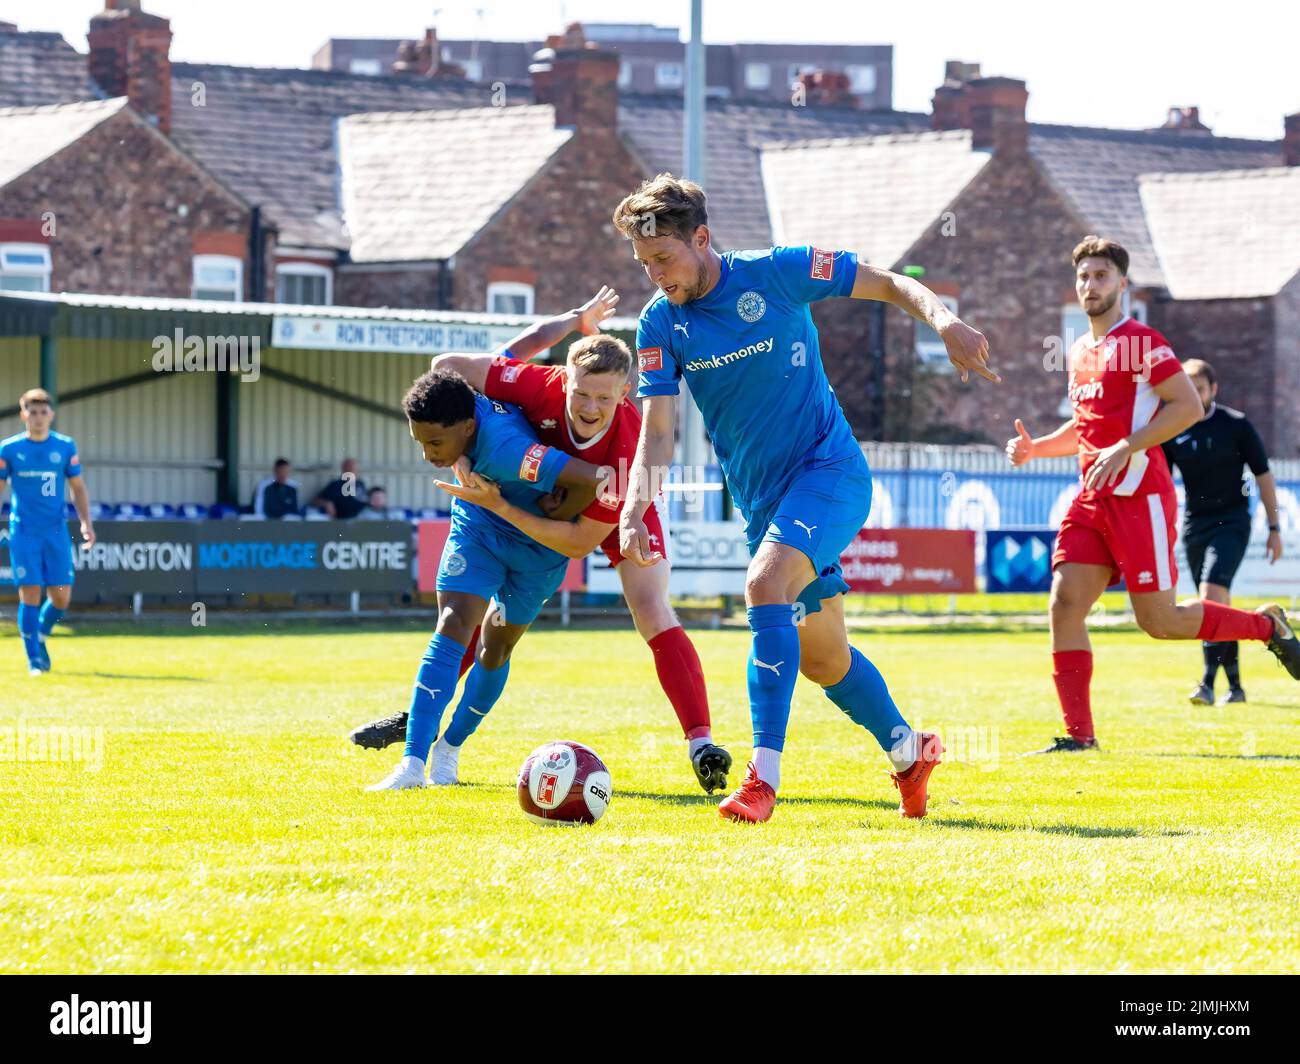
(737, 328)
(485, 557)
(40, 465)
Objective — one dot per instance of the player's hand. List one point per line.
(967, 350)
(471, 487)
(593, 312)
(1108, 466)
(552, 501)
(1020, 449)
(87, 535)
(634, 541)
(1273, 547)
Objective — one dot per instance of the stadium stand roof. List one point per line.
(404, 196)
(1097, 171)
(1228, 235)
(874, 194)
(30, 135)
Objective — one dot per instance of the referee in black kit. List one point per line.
(1216, 526)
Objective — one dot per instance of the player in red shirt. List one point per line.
(1129, 394)
(581, 408)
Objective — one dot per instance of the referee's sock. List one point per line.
(1228, 658)
(1213, 654)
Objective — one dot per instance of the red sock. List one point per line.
(1222, 623)
(682, 679)
(468, 660)
(1072, 671)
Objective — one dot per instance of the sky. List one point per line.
(1122, 66)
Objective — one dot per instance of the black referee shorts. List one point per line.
(1214, 553)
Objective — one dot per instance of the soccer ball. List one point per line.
(564, 782)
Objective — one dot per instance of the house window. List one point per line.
(1135, 308)
(25, 268)
(758, 76)
(473, 69)
(218, 277)
(624, 74)
(1074, 323)
(372, 67)
(509, 297)
(304, 284)
(930, 349)
(862, 78)
(668, 75)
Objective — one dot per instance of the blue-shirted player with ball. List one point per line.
(737, 328)
(40, 466)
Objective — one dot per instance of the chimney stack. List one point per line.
(424, 58)
(996, 107)
(1185, 120)
(950, 110)
(1291, 142)
(827, 88)
(129, 56)
(577, 78)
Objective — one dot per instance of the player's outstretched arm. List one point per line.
(968, 350)
(548, 332)
(1022, 447)
(81, 500)
(654, 451)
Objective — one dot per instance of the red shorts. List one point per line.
(658, 541)
(1132, 534)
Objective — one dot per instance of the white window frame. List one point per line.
(510, 288)
(932, 353)
(473, 69)
(862, 78)
(755, 83)
(219, 261)
(369, 67)
(9, 268)
(305, 269)
(664, 79)
(624, 73)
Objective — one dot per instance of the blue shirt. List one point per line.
(506, 450)
(750, 356)
(37, 473)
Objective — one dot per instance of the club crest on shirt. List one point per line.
(650, 358)
(55, 456)
(454, 564)
(751, 306)
(510, 373)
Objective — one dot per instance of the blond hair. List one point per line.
(1195, 367)
(35, 395)
(600, 354)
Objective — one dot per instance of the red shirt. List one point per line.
(1112, 390)
(539, 391)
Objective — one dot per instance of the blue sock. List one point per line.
(483, 688)
(435, 683)
(29, 627)
(50, 616)
(864, 697)
(773, 669)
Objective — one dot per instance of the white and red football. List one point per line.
(564, 782)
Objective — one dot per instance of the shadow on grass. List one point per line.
(1234, 757)
(1082, 831)
(135, 676)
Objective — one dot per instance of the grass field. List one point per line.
(226, 829)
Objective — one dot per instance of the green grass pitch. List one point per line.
(226, 831)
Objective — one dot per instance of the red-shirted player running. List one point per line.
(1130, 394)
(582, 408)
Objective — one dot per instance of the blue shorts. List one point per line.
(42, 558)
(819, 514)
(479, 559)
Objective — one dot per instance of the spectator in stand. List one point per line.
(377, 508)
(345, 496)
(277, 495)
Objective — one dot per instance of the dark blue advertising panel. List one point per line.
(1019, 561)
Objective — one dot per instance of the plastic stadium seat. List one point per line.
(221, 511)
(192, 511)
(70, 511)
(129, 511)
(291, 517)
(314, 514)
(399, 513)
(98, 511)
(160, 511)
(428, 513)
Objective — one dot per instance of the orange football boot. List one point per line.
(912, 784)
(752, 802)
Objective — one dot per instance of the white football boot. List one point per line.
(444, 764)
(409, 773)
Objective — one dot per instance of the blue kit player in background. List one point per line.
(38, 463)
(737, 328)
(484, 557)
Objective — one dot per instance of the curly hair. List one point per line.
(439, 397)
(662, 206)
